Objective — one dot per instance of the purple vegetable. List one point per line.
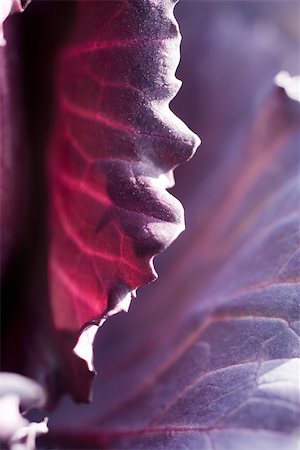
(210, 358)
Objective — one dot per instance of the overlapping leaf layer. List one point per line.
(215, 365)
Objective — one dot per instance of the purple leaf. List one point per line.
(215, 363)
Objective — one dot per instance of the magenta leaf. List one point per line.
(215, 364)
(114, 148)
(113, 145)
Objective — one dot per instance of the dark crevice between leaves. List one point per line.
(33, 39)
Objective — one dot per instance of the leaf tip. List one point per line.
(84, 346)
(290, 84)
(8, 7)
